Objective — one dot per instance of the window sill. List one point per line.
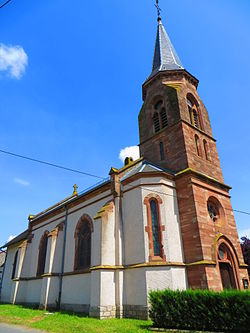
(78, 271)
(157, 259)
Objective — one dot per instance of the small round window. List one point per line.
(222, 254)
(212, 211)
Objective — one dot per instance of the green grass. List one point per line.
(68, 323)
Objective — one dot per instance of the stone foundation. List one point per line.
(100, 312)
(103, 312)
(79, 308)
(126, 311)
(135, 312)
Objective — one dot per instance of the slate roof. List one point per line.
(145, 167)
(2, 258)
(165, 56)
(139, 166)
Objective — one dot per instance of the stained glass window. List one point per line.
(42, 255)
(84, 246)
(155, 228)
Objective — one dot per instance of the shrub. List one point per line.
(201, 310)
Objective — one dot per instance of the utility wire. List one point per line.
(95, 176)
(4, 4)
(51, 164)
(175, 196)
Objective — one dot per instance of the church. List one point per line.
(162, 221)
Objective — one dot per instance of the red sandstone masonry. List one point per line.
(199, 233)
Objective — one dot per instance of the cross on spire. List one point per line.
(75, 190)
(158, 10)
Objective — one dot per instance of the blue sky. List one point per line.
(75, 99)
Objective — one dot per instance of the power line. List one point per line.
(51, 164)
(240, 211)
(4, 4)
(95, 176)
(175, 196)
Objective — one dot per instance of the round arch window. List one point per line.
(222, 253)
(213, 211)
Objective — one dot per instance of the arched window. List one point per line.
(160, 118)
(197, 144)
(13, 275)
(154, 228)
(205, 144)
(42, 254)
(83, 243)
(215, 210)
(157, 126)
(193, 113)
(162, 153)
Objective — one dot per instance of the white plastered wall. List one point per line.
(7, 282)
(139, 281)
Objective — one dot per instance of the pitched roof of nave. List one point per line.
(138, 167)
(145, 167)
(2, 258)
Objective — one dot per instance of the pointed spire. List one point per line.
(165, 56)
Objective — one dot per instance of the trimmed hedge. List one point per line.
(201, 310)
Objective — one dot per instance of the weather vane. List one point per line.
(158, 10)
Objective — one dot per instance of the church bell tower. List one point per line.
(176, 134)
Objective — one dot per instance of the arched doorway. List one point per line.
(227, 267)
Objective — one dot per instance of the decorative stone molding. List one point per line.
(105, 210)
(55, 232)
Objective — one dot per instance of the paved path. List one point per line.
(4, 328)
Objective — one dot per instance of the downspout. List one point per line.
(119, 245)
(63, 259)
(1, 284)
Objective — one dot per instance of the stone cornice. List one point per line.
(202, 176)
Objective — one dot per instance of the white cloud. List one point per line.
(13, 60)
(132, 151)
(10, 238)
(21, 182)
(244, 233)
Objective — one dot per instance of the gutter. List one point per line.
(69, 200)
(63, 259)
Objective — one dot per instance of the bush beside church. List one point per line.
(201, 310)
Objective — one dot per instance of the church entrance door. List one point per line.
(227, 276)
